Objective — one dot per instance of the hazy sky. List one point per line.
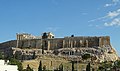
(62, 17)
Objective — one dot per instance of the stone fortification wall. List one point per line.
(104, 41)
(67, 42)
(81, 41)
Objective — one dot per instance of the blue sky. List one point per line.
(62, 17)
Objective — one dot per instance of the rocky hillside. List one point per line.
(8, 44)
(97, 54)
(5, 47)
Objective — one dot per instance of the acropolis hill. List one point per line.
(72, 47)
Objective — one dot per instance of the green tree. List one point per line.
(1, 56)
(117, 63)
(44, 68)
(100, 68)
(93, 69)
(28, 68)
(104, 65)
(61, 67)
(42, 49)
(72, 65)
(88, 67)
(17, 55)
(33, 57)
(13, 61)
(86, 56)
(40, 66)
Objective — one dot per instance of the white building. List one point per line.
(5, 67)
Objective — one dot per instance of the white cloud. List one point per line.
(113, 14)
(114, 2)
(96, 19)
(115, 22)
(109, 15)
(107, 5)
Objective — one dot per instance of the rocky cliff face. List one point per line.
(97, 54)
(5, 47)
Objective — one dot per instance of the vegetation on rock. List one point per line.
(61, 67)
(72, 65)
(86, 56)
(40, 66)
(88, 67)
(28, 68)
(13, 61)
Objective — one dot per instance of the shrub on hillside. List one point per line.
(86, 56)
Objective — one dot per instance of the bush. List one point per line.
(88, 67)
(117, 63)
(13, 61)
(61, 67)
(1, 56)
(86, 56)
(40, 66)
(28, 68)
(104, 65)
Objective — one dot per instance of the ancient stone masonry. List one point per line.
(48, 41)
